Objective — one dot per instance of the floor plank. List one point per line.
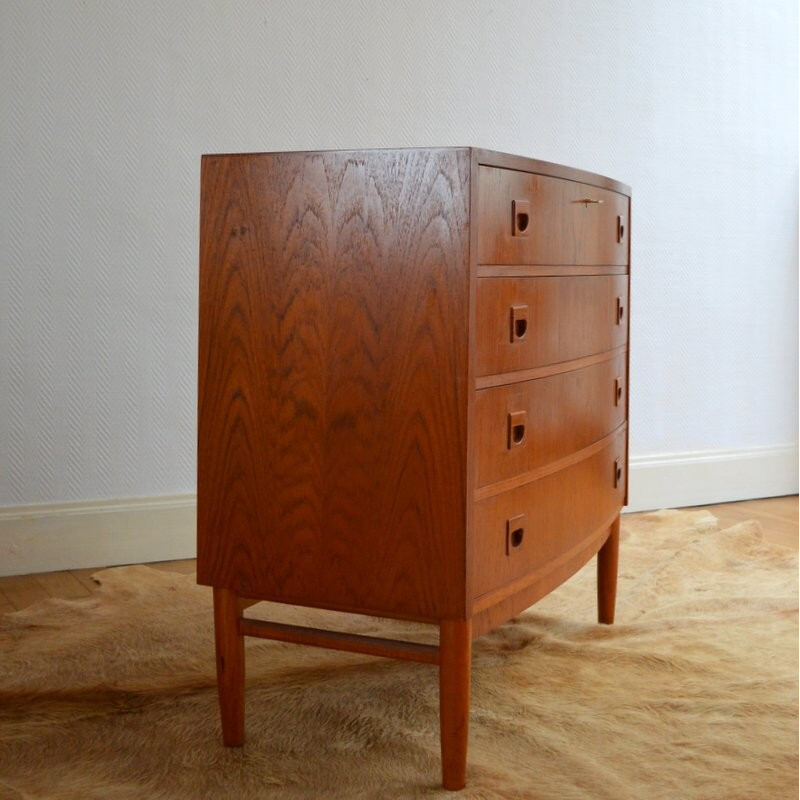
(776, 515)
(22, 590)
(84, 576)
(187, 566)
(62, 584)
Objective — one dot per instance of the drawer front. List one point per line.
(528, 529)
(536, 219)
(529, 322)
(527, 425)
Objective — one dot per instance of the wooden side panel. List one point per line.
(334, 298)
(524, 532)
(564, 318)
(526, 425)
(539, 219)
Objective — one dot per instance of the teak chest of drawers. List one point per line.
(413, 397)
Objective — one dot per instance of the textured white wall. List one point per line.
(107, 106)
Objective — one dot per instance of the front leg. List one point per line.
(607, 567)
(230, 665)
(455, 657)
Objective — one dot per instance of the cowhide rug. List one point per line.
(692, 694)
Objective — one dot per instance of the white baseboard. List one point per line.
(700, 478)
(105, 533)
(53, 537)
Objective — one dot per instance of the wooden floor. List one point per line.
(777, 515)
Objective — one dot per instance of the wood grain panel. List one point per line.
(493, 158)
(504, 378)
(523, 478)
(334, 298)
(559, 511)
(562, 414)
(567, 318)
(559, 228)
(501, 607)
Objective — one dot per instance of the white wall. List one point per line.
(107, 106)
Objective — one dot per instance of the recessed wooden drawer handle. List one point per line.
(617, 391)
(588, 200)
(515, 533)
(519, 323)
(617, 473)
(620, 310)
(517, 420)
(620, 228)
(520, 217)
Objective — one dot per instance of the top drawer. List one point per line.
(535, 219)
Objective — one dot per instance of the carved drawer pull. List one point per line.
(617, 473)
(515, 533)
(519, 323)
(520, 217)
(588, 200)
(517, 421)
(617, 391)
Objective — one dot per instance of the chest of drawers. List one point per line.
(413, 383)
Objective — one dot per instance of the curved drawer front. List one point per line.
(536, 219)
(528, 529)
(530, 322)
(524, 426)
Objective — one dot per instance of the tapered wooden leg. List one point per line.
(455, 657)
(607, 561)
(230, 665)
